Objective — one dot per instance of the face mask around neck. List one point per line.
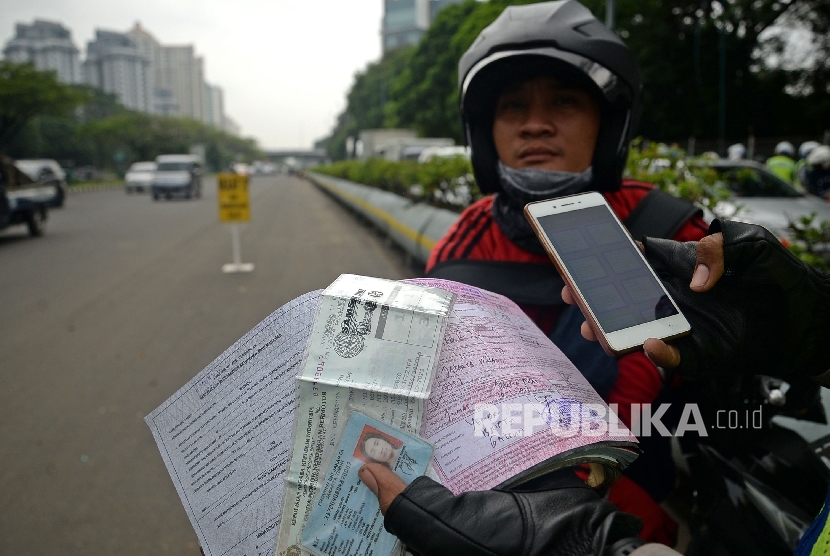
(532, 184)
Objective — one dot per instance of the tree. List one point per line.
(37, 121)
(132, 136)
(693, 54)
(416, 87)
(99, 104)
(54, 137)
(26, 93)
(424, 97)
(684, 45)
(366, 99)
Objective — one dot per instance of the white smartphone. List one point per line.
(618, 292)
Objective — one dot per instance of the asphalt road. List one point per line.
(116, 307)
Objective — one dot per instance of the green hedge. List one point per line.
(442, 182)
(449, 183)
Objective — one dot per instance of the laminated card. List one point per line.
(345, 519)
(374, 347)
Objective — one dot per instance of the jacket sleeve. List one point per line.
(693, 230)
(561, 516)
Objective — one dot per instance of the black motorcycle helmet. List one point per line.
(564, 39)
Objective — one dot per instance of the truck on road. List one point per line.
(22, 200)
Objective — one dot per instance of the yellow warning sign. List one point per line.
(233, 198)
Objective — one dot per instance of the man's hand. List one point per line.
(557, 514)
(709, 268)
(753, 305)
(710, 263)
(383, 482)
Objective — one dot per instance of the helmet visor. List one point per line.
(612, 88)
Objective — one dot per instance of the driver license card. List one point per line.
(345, 519)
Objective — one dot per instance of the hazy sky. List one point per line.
(285, 65)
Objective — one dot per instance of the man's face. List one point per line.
(545, 124)
(378, 449)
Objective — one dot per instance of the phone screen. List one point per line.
(606, 267)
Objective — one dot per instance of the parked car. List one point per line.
(443, 152)
(177, 174)
(22, 200)
(47, 173)
(761, 197)
(140, 177)
(262, 168)
(241, 168)
(88, 173)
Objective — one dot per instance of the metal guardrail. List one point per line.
(414, 227)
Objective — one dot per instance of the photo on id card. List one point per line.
(346, 518)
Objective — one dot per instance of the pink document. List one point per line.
(507, 405)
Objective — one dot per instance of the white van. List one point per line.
(177, 174)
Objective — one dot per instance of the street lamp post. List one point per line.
(609, 14)
(721, 91)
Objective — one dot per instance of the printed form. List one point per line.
(226, 435)
(494, 356)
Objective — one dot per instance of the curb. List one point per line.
(94, 187)
(414, 227)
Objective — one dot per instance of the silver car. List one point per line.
(177, 174)
(140, 177)
(761, 197)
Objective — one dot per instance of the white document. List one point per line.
(226, 435)
(374, 346)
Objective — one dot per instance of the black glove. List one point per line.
(767, 315)
(555, 514)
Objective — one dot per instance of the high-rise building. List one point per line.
(183, 73)
(161, 99)
(164, 103)
(214, 106)
(406, 21)
(115, 64)
(47, 45)
(176, 75)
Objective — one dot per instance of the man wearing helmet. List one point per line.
(801, 167)
(818, 172)
(549, 100)
(736, 152)
(782, 163)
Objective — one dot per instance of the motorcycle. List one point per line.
(754, 485)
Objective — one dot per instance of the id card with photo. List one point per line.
(346, 519)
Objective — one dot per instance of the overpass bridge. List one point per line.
(298, 159)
